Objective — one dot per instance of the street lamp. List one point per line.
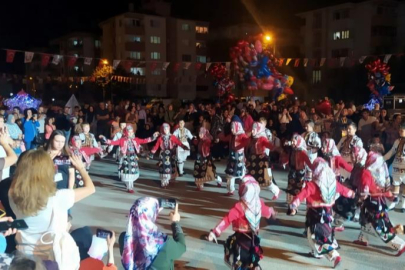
(268, 39)
(105, 62)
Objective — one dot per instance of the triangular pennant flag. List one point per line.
(361, 59)
(71, 61)
(165, 65)
(186, 65)
(56, 59)
(153, 66)
(198, 66)
(288, 61)
(281, 62)
(116, 63)
(305, 62)
(207, 67)
(28, 57)
(297, 62)
(323, 60)
(387, 58)
(10, 56)
(45, 59)
(342, 61)
(128, 65)
(87, 61)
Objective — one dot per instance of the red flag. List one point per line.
(297, 62)
(153, 66)
(198, 66)
(10, 56)
(281, 62)
(45, 59)
(176, 67)
(71, 61)
(128, 65)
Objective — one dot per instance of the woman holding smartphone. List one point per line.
(143, 245)
(34, 197)
(59, 153)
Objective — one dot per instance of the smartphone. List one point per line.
(18, 224)
(103, 233)
(167, 203)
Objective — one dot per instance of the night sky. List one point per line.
(31, 24)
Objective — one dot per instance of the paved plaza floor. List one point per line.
(282, 241)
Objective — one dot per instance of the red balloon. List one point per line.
(324, 107)
(288, 91)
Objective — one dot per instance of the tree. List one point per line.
(103, 76)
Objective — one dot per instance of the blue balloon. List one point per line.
(264, 70)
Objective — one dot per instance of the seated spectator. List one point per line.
(34, 198)
(143, 246)
(99, 247)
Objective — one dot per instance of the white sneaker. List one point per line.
(392, 206)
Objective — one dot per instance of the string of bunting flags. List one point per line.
(56, 59)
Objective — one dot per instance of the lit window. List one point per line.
(155, 55)
(155, 39)
(133, 39)
(75, 42)
(201, 30)
(185, 27)
(97, 43)
(138, 71)
(75, 55)
(157, 71)
(201, 58)
(200, 44)
(345, 34)
(76, 68)
(135, 55)
(316, 76)
(336, 35)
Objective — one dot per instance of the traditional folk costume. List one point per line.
(313, 143)
(85, 153)
(167, 165)
(236, 163)
(117, 155)
(398, 170)
(345, 147)
(298, 163)
(89, 141)
(374, 219)
(183, 134)
(242, 249)
(320, 195)
(258, 162)
(128, 168)
(204, 168)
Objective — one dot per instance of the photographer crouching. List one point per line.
(143, 246)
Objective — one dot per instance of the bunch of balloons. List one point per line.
(379, 82)
(256, 68)
(223, 83)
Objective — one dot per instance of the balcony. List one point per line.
(135, 46)
(134, 30)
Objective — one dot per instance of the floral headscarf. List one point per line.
(329, 148)
(301, 145)
(325, 179)
(249, 191)
(378, 168)
(206, 134)
(127, 129)
(143, 240)
(260, 130)
(237, 126)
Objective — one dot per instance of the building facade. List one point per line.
(351, 30)
(150, 41)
